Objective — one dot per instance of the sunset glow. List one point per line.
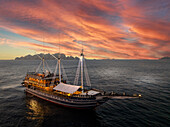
(108, 29)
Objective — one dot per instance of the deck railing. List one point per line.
(58, 97)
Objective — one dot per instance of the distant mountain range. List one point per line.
(46, 56)
(62, 56)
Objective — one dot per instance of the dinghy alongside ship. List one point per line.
(51, 87)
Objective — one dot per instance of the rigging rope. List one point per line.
(77, 74)
(38, 67)
(64, 73)
(48, 67)
(55, 72)
(86, 75)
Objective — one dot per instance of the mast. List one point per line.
(82, 67)
(43, 55)
(43, 64)
(59, 68)
(59, 65)
(81, 60)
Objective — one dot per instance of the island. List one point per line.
(46, 56)
(165, 58)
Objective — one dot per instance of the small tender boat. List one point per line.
(51, 87)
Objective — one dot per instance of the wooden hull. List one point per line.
(67, 102)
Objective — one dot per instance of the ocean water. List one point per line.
(151, 78)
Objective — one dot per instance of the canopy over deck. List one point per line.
(67, 88)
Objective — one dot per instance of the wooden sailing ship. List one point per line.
(51, 87)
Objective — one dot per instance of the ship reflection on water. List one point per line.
(49, 114)
(36, 110)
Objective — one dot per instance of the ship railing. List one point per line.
(47, 95)
(60, 98)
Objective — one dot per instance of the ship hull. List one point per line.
(71, 103)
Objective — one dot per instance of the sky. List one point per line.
(106, 29)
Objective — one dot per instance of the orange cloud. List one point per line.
(120, 29)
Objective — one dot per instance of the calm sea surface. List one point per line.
(146, 77)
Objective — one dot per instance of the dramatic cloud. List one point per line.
(122, 29)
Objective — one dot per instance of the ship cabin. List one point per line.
(42, 81)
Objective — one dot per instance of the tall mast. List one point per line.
(59, 68)
(43, 64)
(82, 67)
(59, 61)
(81, 60)
(43, 55)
